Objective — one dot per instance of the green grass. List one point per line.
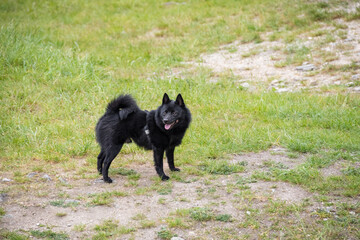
(6, 235)
(104, 198)
(64, 204)
(48, 234)
(165, 233)
(2, 212)
(59, 68)
(111, 229)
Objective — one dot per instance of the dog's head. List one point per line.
(172, 113)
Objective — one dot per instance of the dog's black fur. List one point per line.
(160, 130)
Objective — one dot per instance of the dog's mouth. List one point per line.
(168, 126)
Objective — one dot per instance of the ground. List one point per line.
(245, 203)
(144, 206)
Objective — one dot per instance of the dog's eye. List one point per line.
(174, 113)
(166, 111)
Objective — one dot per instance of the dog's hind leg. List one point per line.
(111, 153)
(100, 161)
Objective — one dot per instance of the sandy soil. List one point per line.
(31, 208)
(259, 64)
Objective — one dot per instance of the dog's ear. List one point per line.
(166, 99)
(180, 100)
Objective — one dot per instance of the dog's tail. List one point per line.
(123, 105)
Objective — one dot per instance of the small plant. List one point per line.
(176, 222)
(165, 233)
(221, 167)
(111, 228)
(80, 227)
(105, 198)
(106, 226)
(2, 212)
(351, 171)
(123, 171)
(147, 224)
(48, 234)
(162, 188)
(224, 218)
(201, 214)
(64, 203)
(162, 201)
(7, 235)
(61, 214)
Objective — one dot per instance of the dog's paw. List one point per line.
(175, 169)
(108, 180)
(164, 178)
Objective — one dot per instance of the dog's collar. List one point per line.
(146, 129)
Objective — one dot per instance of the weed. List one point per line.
(2, 212)
(142, 191)
(165, 233)
(123, 171)
(7, 235)
(48, 234)
(162, 201)
(64, 203)
(79, 227)
(224, 218)
(105, 198)
(110, 228)
(351, 171)
(182, 212)
(139, 216)
(176, 222)
(221, 167)
(201, 214)
(61, 214)
(106, 226)
(162, 188)
(281, 208)
(147, 224)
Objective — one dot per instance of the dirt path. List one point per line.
(70, 207)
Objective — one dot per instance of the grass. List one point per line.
(104, 198)
(63, 203)
(51, 113)
(110, 229)
(62, 61)
(48, 234)
(12, 235)
(2, 212)
(165, 233)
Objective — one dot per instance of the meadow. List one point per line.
(61, 62)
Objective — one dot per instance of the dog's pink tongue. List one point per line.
(167, 126)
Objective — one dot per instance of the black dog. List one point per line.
(160, 130)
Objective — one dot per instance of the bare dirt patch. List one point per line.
(281, 191)
(51, 204)
(338, 168)
(275, 156)
(274, 63)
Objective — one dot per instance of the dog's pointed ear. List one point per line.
(180, 100)
(166, 99)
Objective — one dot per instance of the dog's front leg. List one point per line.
(170, 159)
(158, 160)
